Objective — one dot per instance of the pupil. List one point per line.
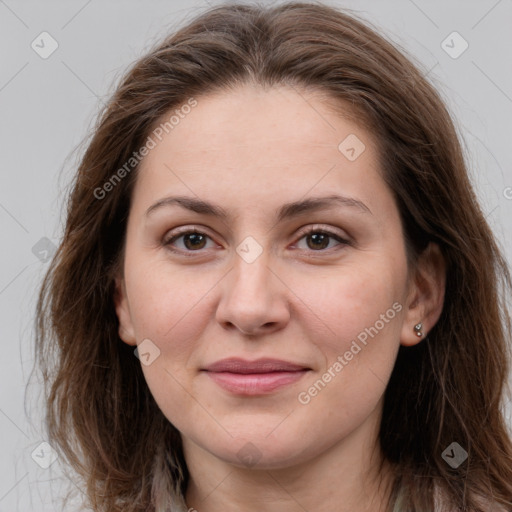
(193, 240)
(321, 239)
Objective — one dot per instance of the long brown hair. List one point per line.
(449, 388)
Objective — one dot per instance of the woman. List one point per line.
(276, 289)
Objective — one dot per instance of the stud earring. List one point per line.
(417, 330)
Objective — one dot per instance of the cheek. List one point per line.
(166, 304)
(171, 309)
(364, 316)
(360, 304)
(362, 312)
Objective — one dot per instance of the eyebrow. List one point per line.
(287, 211)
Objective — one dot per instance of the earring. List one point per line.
(417, 330)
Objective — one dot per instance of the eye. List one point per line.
(320, 239)
(191, 240)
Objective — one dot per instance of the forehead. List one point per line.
(257, 143)
(251, 115)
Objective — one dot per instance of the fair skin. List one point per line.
(304, 299)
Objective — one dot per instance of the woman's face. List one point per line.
(298, 257)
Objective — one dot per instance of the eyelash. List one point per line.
(313, 230)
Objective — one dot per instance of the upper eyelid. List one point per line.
(319, 227)
(343, 237)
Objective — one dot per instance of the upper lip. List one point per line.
(265, 365)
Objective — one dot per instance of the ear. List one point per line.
(426, 295)
(126, 330)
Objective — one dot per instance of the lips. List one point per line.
(262, 376)
(237, 365)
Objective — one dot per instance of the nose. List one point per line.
(253, 299)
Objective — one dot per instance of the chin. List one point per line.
(258, 452)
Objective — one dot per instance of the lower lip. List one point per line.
(254, 383)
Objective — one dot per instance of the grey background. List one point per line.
(48, 105)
